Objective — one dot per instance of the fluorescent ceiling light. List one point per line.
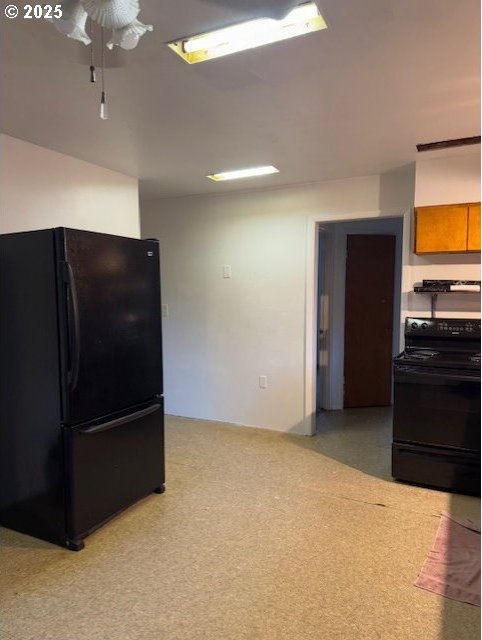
(243, 173)
(247, 35)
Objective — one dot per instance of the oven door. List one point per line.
(437, 407)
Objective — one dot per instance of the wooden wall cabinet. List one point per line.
(473, 240)
(451, 228)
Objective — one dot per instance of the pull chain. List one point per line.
(92, 63)
(103, 100)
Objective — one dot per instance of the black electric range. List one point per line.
(436, 413)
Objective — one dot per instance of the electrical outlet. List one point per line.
(227, 273)
(165, 310)
(263, 382)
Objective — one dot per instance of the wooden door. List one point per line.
(370, 274)
(473, 236)
(441, 228)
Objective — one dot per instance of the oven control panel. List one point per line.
(439, 327)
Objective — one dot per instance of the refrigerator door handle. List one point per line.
(74, 323)
(119, 421)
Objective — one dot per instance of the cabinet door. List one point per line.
(441, 228)
(473, 237)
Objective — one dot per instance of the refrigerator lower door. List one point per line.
(111, 465)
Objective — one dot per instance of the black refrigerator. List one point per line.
(81, 406)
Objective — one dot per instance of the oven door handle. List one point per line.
(413, 374)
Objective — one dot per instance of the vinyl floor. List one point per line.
(259, 536)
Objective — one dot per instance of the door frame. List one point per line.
(311, 301)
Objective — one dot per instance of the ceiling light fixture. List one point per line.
(304, 18)
(243, 173)
(118, 15)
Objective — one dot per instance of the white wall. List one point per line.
(446, 178)
(41, 188)
(221, 334)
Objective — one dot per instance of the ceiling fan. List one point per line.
(119, 16)
(88, 21)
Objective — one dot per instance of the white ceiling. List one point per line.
(351, 100)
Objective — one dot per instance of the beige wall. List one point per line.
(448, 177)
(222, 334)
(41, 188)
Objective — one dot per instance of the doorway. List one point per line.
(340, 334)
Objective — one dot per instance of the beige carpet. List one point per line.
(259, 536)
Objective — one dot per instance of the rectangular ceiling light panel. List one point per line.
(243, 173)
(247, 35)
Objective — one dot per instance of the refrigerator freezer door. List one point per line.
(110, 315)
(110, 466)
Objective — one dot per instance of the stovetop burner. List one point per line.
(442, 358)
(441, 343)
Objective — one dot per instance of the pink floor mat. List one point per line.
(452, 568)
